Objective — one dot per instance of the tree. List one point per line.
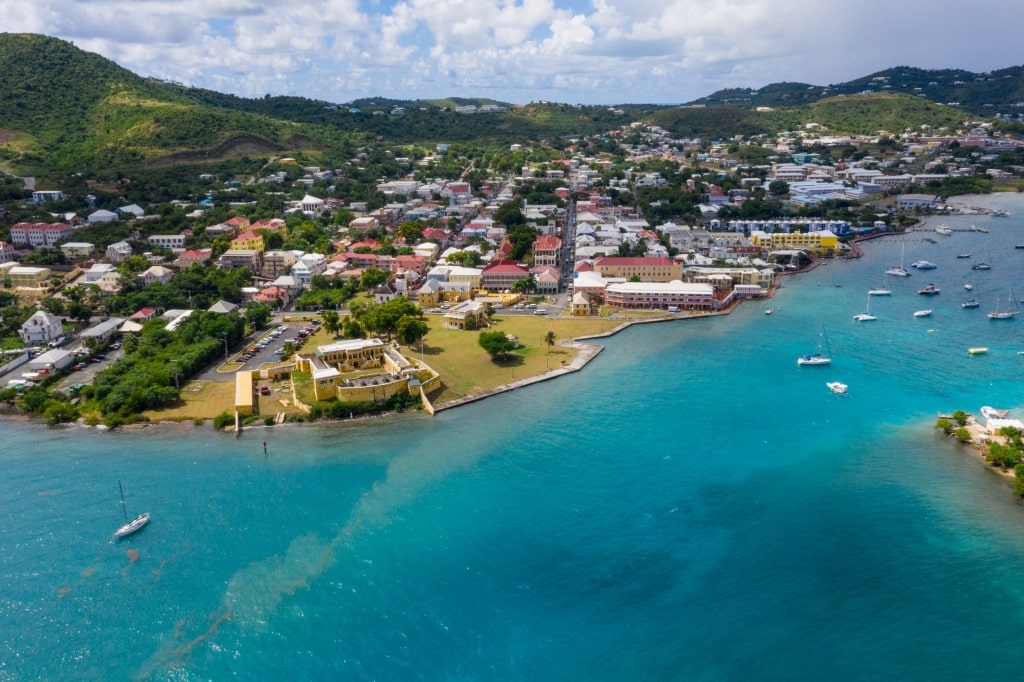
(549, 339)
(779, 188)
(525, 285)
(510, 214)
(410, 330)
(372, 278)
(257, 315)
(496, 343)
(332, 322)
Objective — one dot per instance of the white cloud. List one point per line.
(601, 51)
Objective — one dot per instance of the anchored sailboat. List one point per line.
(132, 526)
(865, 316)
(822, 357)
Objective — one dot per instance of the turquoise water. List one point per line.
(691, 506)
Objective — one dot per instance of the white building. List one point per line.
(41, 328)
(118, 251)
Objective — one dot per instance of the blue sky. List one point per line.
(585, 51)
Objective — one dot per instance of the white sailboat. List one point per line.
(899, 270)
(132, 526)
(865, 316)
(883, 290)
(822, 357)
(1006, 313)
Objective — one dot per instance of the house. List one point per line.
(384, 293)
(131, 211)
(547, 278)
(502, 274)
(248, 240)
(363, 224)
(73, 250)
(192, 257)
(223, 307)
(43, 196)
(273, 296)
(276, 263)
(41, 329)
(118, 251)
(157, 273)
(7, 252)
(167, 241)
(97, 270)
(104, 331)
(241, 258)
(581, 305)
(27, 276)
(143, 314)
(101, 216)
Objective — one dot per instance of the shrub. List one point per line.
(223, 420)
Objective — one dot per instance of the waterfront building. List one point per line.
(646, 268)
(660, 295)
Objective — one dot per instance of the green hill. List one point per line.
(982, 94)
(70, 108)
(65, 109)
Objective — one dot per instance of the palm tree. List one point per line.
(549, 339)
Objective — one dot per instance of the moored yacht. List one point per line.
(923, 265)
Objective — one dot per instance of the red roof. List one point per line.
(237, 220)
(548, 242)
(246, 236)
(633, 260)
(504, 266)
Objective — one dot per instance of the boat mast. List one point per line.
(124, 508)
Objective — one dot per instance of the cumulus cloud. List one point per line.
(600, 51)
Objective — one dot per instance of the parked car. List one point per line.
(264, 390)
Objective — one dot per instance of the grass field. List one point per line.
(465, 367)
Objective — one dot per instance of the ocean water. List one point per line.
(691, 506)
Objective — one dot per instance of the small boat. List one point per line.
(923, 265)
(822, 357)
(999, 213)
(973, 303)
(977, 350)
(1019, 246)
(976, 228)
(865, 316)
(923, 313)
(981, 266)
(132, 526)
(968, 286)
(929, 290)
(989, 412)
(943, 229)
(768, 311)
(899, 270)
(963, 255)
(837, 387)
(883, 290)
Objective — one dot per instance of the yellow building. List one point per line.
(245, 392)
(338, 379)
(26, 276)
(352, 354)
(248, 241)
(645, 268)
(822, 242)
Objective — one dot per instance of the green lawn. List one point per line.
(465, 367)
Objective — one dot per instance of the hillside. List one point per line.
(67, 107)
(983, 94)
(67, 110)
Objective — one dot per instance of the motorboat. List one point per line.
(944, 229)
(977, 350)
(929, 290)
(923, 313)
(973, 303)
(981, 266)
(963, 255)
(968, 286)
(923, 265)
(768, 311)
(837, 387)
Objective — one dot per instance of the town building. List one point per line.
(646, 268)
(660, 295)
(40, 329)
(38, 235)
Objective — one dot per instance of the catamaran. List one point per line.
(865, 316)
(899, 270)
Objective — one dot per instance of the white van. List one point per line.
(673, 309)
